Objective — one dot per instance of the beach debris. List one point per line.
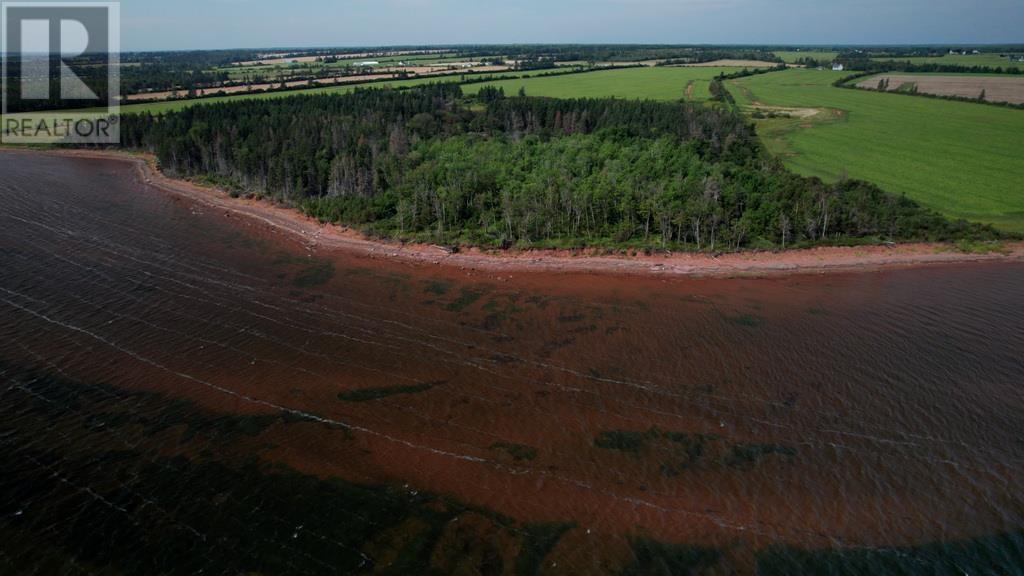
(449, 250)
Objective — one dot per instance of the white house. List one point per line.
(837, 67)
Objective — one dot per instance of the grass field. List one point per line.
(962, 159)
(792, 56)
(992, 60)
(657, 83)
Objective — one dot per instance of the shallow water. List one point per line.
(183, 390)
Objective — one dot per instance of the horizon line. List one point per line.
(1019, 44)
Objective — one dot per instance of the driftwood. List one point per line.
(449, 250)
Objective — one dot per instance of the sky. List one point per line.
(208, 24)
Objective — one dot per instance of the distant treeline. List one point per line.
(182, 70)
(704, 57)
(940, 50)
(91, 70)
(626, 52)
(189, 72)
(924, 51)
(461, 78)
(465, 79)
(426, 164)
(136, 72)
(870, 64)
(876, 66)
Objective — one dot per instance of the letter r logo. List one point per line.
(53, 48)
(61, 69)
(36, 50)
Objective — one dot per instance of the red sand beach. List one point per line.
(738, 264)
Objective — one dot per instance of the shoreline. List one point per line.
(314, 234)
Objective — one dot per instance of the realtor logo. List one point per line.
(61, 72)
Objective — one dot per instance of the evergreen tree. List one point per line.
(421, 164)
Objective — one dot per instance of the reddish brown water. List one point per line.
(858, 412)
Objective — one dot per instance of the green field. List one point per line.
(792, 56)
(655, 83)
(991, 60)
(962, 159)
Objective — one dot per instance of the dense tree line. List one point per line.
(864, 64)
(427, 164)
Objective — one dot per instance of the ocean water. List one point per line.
(184, 391)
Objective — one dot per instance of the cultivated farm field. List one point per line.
(997, 88)
(960, 158)
(652, 83)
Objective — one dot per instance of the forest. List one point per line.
(430, 164)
